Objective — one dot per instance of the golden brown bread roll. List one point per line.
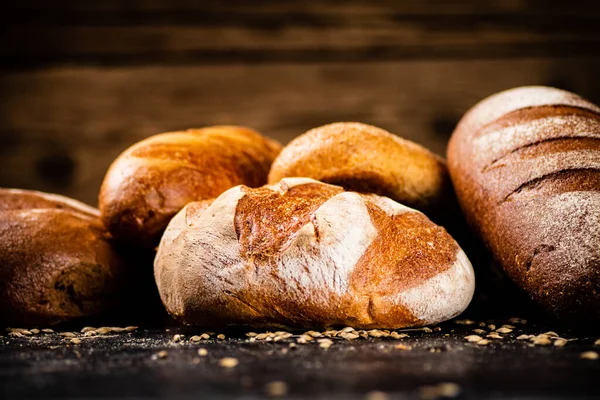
(366, 159)
(56, 262)
(302, 253)
(153, 179)
(526, 167)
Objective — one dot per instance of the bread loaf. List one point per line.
(153, 179)
(56, 262)
(302, 253)
(367, 159)
(526, 167)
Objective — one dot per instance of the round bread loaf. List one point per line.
(302, 254)
(526, 168)
(56, 262)
(366, 159)
(153, 179)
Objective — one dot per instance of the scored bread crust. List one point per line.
(366, 159)
(302, 253)
(526, 168)
(56, 262)
(155, 178)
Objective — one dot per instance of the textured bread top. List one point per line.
(509, 101)
(526, 167)
(366, 159)
(302, 253)
(152, 180)
(55, 261)
(18, 199)
(544, 133)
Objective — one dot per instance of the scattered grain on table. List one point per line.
(473, 338)
(541, 340)
(441, 390)
(494, 335)
(560, 342)
(276, 389)
(228, 362)
(377, 395)
(589, 355)
(160, 355)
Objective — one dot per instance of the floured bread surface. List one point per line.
(307, 254)
(56, 262)
(525, 164)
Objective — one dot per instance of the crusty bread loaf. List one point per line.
(367, 159)
(56, 262)
(152, 180)
(526, 167)
(302, 253)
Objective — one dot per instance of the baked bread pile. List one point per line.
(332, 229)
(302, 253)
(296, 253)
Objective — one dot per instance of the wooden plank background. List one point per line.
(81, 80)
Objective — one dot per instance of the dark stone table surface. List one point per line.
(131, 365)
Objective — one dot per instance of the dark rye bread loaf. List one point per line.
(155, 178)
(525, 164)
(302, 253)
(56, 262)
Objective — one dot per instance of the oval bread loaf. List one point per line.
(367, 159)
(56, 262)
(153, 179)
(302, 253)
(526, 167)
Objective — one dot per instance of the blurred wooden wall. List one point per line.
(80, 81)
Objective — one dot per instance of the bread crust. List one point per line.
(525, 164)
(56, 262)
(155, 178)
(366, 159)
(302, 254)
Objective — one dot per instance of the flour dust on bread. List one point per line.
(155, 178)
(302, 253)
(56, 260)
(525, 164)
